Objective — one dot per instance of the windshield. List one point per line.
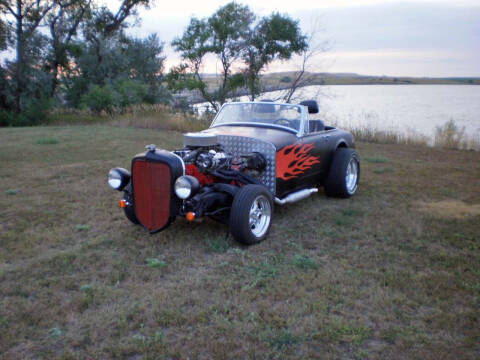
(260, 113)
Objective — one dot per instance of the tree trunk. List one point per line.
(54, 83)
(19, 73)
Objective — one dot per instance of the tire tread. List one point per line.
(335, 185)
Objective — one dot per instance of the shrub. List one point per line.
(129, 92)
(158, 94)
(99, 99)
(34, 113)
(75, 90)
(122, 95)
(7, 118)
(449, 135)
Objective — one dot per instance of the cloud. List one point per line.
(387, 37)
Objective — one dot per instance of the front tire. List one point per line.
(344, 174)
(129, 210)
(251, 214)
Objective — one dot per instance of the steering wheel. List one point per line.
(284, 122)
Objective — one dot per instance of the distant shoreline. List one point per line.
(356, 79)
(282, 80)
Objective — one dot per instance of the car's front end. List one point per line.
(149, 193)
(198, 180)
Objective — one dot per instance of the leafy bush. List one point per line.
(158, 94)
(35, 113)
(99, 99)
(75, 88)
(7, 118)
(123, 94)
(129, 92)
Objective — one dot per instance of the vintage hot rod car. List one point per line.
(254, 155)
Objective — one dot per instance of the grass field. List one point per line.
(393, 273)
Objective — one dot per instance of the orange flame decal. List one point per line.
(294, 160)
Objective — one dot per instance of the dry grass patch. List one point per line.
(145, 116)
(451, 209)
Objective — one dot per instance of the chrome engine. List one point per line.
(204, 151)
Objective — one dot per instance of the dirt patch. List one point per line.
(451, 209)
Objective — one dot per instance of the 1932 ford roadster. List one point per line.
(254, 155)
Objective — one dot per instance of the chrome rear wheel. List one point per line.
(344, 174)
(352, 176)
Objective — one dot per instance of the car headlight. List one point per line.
(118, 178)
(186, 186)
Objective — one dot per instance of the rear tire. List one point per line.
(251, 214)
(344, 174)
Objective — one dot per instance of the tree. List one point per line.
(4, 33)
(39, 56)
(63, 22)
(223, 35)
(234, 37)
(24, 16)
(4, 81)
(276, 37)
(145, 59)
(229, 26)
(130, 68)
(104, 24)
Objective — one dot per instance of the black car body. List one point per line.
(253, 155)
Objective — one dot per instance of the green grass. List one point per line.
(282, 338)
(217, 244)
(372, 277)
(383, 170)
(47, 141)
(304, 262)
(376, 159)
(156, 263)
(347, 217)
(263, 272)
(82, 227)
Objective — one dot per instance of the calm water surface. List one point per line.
(399, 107)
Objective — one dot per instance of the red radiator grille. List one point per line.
(151, 193)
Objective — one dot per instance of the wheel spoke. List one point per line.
(351, 176)
(260, 216)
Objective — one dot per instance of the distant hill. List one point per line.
(282, 79)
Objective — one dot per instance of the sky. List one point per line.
(433, 38)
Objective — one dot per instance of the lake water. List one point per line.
(402, 108)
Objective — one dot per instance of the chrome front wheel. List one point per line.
(251, 214)
(260, 216)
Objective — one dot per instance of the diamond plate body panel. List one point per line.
(241, 145)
